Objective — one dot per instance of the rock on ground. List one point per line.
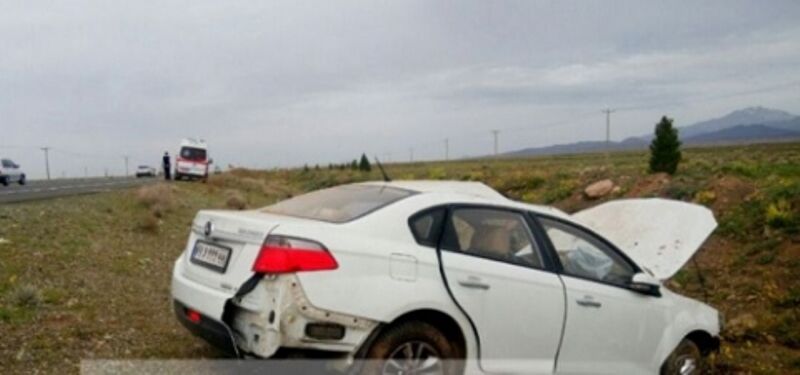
(598, 189)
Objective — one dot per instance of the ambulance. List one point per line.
(192, 161)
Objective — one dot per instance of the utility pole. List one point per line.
(495, 133)
(411, 154)
(85, 172)
(126, 165)
(608, 112)
(446, 149)
(47, 160)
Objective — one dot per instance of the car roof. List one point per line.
(467, 189)
(191, 142)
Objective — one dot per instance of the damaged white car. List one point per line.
(417, 273)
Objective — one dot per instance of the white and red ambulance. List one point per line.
(192, 162)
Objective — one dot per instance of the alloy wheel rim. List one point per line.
(413, 357)
(686, 365)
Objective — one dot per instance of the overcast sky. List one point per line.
(285, 83)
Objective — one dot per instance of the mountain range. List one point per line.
(748, 125)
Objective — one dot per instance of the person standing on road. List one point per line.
(167, 166)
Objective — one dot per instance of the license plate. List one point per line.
(211, 256)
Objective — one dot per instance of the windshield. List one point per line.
(339, 204)
(191, 153)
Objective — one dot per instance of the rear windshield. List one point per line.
(191, 153)
(339, 204)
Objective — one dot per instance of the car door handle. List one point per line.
(589, 303)
(473, 284)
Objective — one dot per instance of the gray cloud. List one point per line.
(287, 83)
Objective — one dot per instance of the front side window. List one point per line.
(585, 256)
(8, 163)
(495, 234)
(338, 204)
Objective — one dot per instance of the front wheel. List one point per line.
(4, 181)
(22, 180)
(686, 359)
(412, 348)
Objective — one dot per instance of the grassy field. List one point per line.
(88, 277)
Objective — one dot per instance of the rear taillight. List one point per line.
(281, 254)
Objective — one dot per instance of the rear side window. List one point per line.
(339, 204)
(427, 226)
(494, 234)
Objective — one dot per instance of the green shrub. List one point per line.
(780, 214)
(26, 296)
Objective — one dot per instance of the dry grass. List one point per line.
(235, 200)
(26, 296)
(159, 197)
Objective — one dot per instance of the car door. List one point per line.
(496, 272)
(609, 328)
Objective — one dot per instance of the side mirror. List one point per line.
(645, 284)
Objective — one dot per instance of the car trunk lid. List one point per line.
(239, 233)
(658, 234)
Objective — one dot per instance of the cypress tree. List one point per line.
(665, 150)
(364, 165)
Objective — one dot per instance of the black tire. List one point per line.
(686, 359)
(4, 181)
(22, 180)
(390, 349)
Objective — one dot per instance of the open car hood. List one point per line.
(658, 234)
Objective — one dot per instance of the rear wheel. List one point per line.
(4, 181)
(22, 180)
(686, 359)
(411, 348)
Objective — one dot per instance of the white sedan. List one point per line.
(418, 273)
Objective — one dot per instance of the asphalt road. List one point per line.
(43, 189)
